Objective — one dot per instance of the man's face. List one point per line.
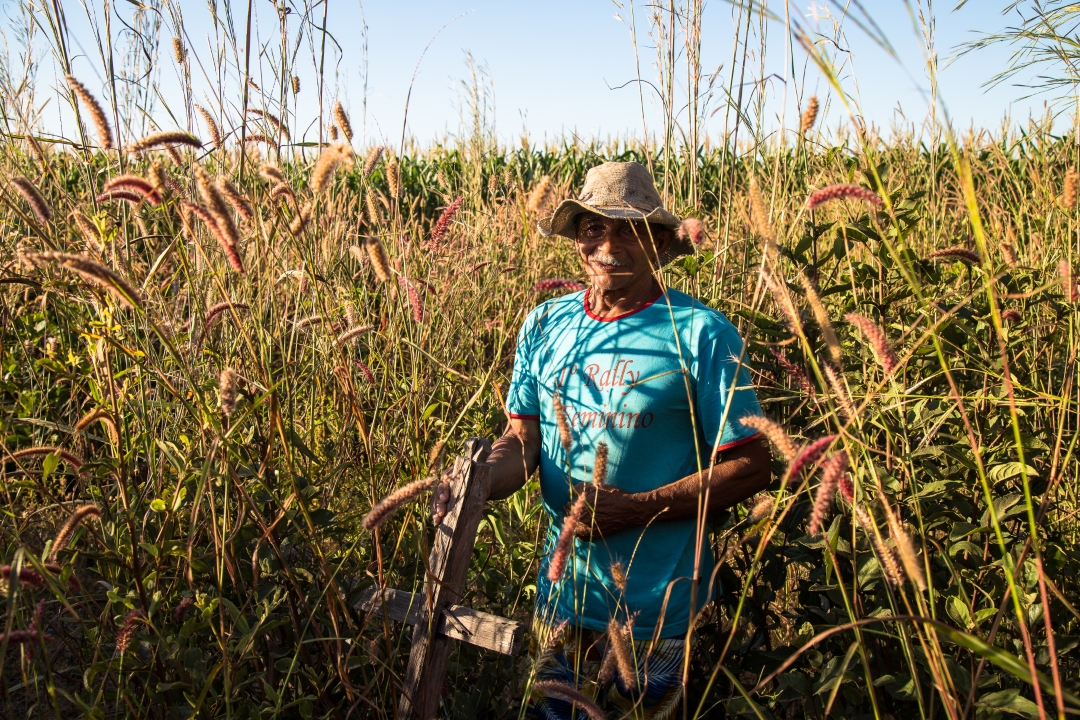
(616, 253)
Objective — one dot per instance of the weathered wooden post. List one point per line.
(433, 612)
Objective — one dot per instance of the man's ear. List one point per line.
(663, 237)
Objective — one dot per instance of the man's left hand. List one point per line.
(609, 510)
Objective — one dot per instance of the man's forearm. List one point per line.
(509, 471)
(744, 473)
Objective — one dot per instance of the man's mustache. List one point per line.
(605, 259)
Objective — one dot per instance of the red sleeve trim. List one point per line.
(515, 416)
(734, 443)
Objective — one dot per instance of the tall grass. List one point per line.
(195, 424)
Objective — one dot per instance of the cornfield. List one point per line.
(223, 345)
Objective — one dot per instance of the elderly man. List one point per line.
(652, 379)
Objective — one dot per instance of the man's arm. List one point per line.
(744, 471)
(513, 458)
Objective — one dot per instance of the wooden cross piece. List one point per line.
(433, 612)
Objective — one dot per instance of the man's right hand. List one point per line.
(440, 500)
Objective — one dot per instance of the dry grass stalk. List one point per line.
(599, 475)
(380, 263)
(343, 121)
(227, 391)
(840, 393)
(94, 273)
(809, 116)
(105, 418)
(235, 198)
(274, 120)
(842, 192)
(352, 333)
(821, 315)
(564, 425)
(831, 472)
(619, 642)
(67, 530)
(875, 336)
(33, 197)
(327, 164)
(372, 159)
(566, 539)
(541, 195)
(97, 114)
(1068, 193)
(552, 688)
(161, 139)
(396, 499)
(774, 433)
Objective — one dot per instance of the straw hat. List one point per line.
(621, 191)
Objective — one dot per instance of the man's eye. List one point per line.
(594, 230)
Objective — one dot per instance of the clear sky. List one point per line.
(568, 66)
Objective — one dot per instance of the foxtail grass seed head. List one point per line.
(563, 424)
(89, 231)
(415, 302)
(29, 192)
(1012, 315)
(618, 574)
(821, 315)
(442, 226)
(385, 507)
(567, 693)
(352, 334)
(762, 507)
(105, 418)
(136, 184)
(295, 85)
(372, 159)
(97, 114)
(332, 131)
(779, 291)
(566, 540)
(619, 642)
(847, 488)
(840, 393)
(393, 179)
(809, 116)
(1068, 282)
(886, 557)
(759, 213)
(831, 472)
(272, 174)
(327, 164)
(1068, 193)
(774, 433)
(67, 530)
(374, 217)
(128, 630)
(904, 549)
(541, 195)
(280, 127)
(552, 284)
(95, 274)
(875, 336)
(167, 138)
(211, 222)
(366, 371)
(955, 253)
(795, 372)
(434, 459)
(358, 254)
(842, 192)
(343, 121)
(236, 199)
(809, 454)
(178, 50)
(1008, 254)
(227, 391)
(27, 576)
(380, 263)
(211, 126)
(691, 229)
(182, 609)
(600, 468)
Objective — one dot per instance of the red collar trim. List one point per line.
(596, 317)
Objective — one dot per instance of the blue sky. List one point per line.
(565, 66)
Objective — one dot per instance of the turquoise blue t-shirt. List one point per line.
(621, 382)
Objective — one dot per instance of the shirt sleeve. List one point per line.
(523, 401)
(717, 388)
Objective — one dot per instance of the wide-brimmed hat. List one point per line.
(621, 191)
